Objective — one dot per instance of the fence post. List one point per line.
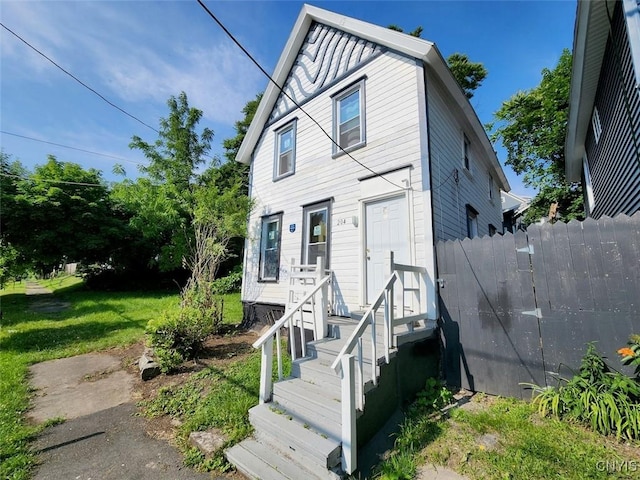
(266, 366)
(349, 438)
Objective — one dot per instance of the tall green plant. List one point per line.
(601, 398)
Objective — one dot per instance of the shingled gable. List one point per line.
(314, 21)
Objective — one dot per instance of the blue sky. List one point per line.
(139, 53)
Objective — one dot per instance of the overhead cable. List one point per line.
(69, 147)
(77, 79)
(255, 62)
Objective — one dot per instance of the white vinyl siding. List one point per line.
(393, 139)
(453, 187)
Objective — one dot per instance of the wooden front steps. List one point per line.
(298, 434)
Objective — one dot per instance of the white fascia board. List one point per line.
(589, 42)
(271, 93)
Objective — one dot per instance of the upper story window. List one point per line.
(596, 125)
(348, 115)
(466, 152)
(285, 161)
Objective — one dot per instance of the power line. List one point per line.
(69, 147)
(77, 79)
(255, 62)
(52, 181)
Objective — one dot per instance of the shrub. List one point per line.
(229, 284)
(179, 336)
(597, 396)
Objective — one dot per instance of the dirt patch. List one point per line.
(219, 350)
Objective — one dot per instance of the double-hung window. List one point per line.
(348, 115)
(270, 247)
(285, 161)
(466, 151)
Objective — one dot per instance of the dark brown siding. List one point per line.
(614, 162)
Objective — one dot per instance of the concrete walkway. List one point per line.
(41, 299)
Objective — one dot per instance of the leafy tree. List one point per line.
(161, 204)
(180, 210)
(469, 75)
(59, 212)
(532, 127)
(232, 171)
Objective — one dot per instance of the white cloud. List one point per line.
(129, 52)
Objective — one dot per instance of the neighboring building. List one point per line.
(603, 136)
(419, 166)
(513, 207)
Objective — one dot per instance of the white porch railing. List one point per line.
(350, 366)
(316, 296)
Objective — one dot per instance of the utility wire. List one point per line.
(69, 147)
(77, 79)
(255, 62)
(2, 174)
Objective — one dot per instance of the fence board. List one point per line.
(583, 276)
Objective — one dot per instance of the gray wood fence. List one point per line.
(521, 308)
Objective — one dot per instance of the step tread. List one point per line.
(326, 398)
(291, 434)
(260, 461)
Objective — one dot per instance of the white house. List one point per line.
(365, 145)
(371, 145)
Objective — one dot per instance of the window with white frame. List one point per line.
(596, 125)
(466, 151)
(472, 222)
(348, 115)
(285, 161)
(270, 247)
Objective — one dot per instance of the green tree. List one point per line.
(161, 204)
(57, 213)
(180, 209)
(532, 127)
(468, 74)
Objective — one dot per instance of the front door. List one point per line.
(387, 228)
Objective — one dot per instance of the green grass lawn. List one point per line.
(94, 321)
(504, 438)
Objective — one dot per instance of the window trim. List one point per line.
(336, 98)
(292, 125)
(591, 200)
(492, 187)
(596, 124)
(466, 150)
(306, 210)
(265, 220)
(492, 230)
(472, 220)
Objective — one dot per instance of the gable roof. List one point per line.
(397, 41)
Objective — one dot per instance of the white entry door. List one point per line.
(387, 228)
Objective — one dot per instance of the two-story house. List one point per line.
(602, 147)
(364, 144)
(369, 145)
